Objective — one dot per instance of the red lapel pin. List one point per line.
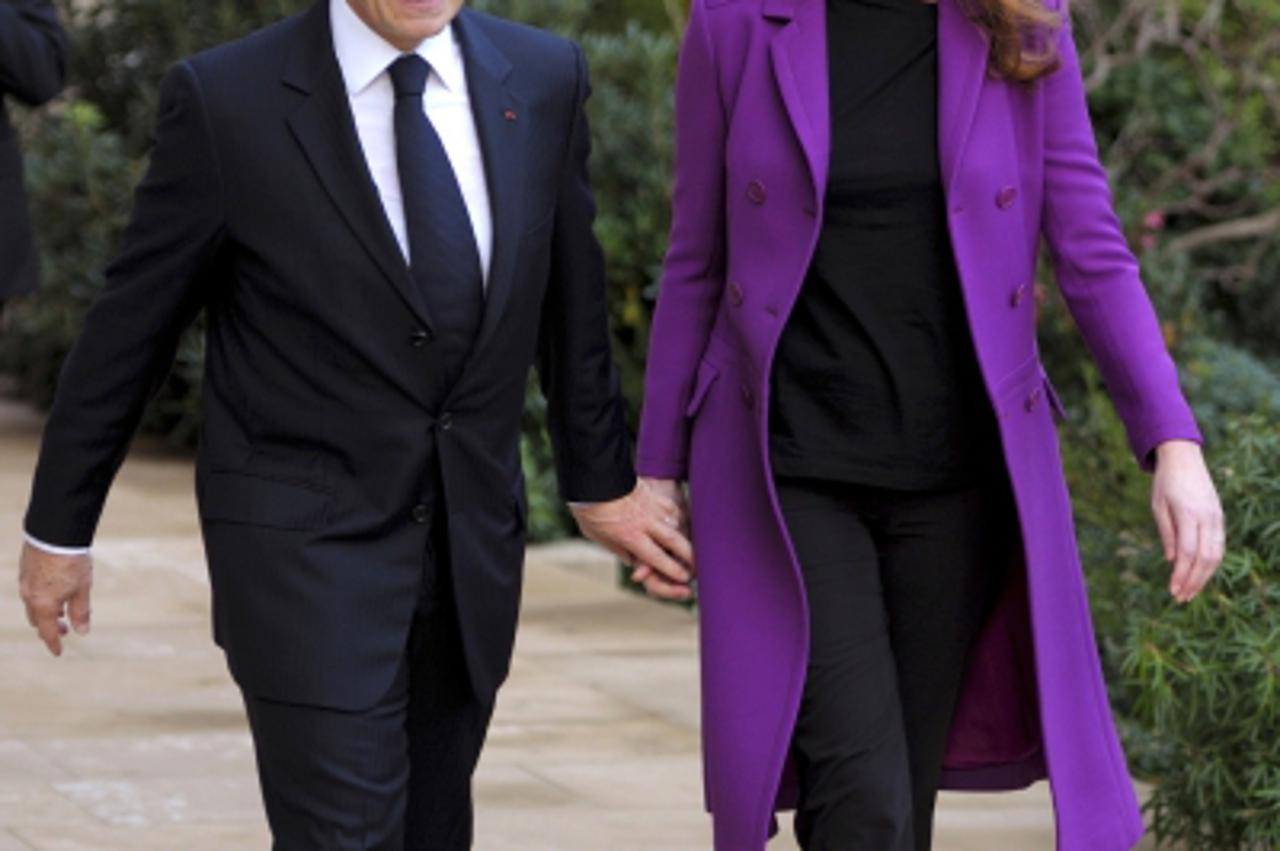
(510, 115)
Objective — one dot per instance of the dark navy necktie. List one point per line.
(443, 256)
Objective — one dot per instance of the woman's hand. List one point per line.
(643, 528)
(1188, 515)
(654, 582)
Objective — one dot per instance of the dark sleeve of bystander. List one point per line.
(33, 51)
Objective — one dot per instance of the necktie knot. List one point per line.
(409, 75)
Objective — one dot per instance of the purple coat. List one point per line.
(1017, 163)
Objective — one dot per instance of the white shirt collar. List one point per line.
(363, 55)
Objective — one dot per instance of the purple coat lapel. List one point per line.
(962, 64)
(799, 56)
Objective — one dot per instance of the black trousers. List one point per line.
(899, 584)
(396, 777)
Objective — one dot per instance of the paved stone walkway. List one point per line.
(135, 739)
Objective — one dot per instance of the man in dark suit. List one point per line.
(33, 64)
(382, 206)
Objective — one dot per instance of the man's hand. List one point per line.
(55, 589)
(1189, 517)
(646, 529)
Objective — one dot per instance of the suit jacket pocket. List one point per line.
(247, 499)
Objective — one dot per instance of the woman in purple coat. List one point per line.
(844, 369)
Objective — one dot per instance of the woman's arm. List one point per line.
(1101, 283)
(1098, 274)
(693, 272)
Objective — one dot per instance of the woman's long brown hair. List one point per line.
(1021, 47)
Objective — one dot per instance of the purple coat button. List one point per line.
(748, 397)
(755, 192)
(1018, 295)
(1005, 197)
(1034, 399)
(735, 294)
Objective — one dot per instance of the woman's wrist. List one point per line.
(1172, 451)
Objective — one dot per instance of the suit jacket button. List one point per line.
(755, 192)
(445, 421)
(735, 294)
(418, 339)
(1005, 197)
(421, 514)
(1018, 295)
(748, 397)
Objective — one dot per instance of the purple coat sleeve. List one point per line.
(1098, 274)
(693, 272)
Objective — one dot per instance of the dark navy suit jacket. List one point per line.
(33, 59)
(325, 429)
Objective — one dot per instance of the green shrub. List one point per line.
(1110, 497)
(122, 49)
(80, 180)
(1204, 679)
(633, 73)
(1224, 381)
(1182, 96)
(1127, 575)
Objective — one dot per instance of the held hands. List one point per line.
(648, 530)
(1188, 516)
(55, 590)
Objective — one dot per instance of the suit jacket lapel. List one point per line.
(962, 66)
(501, 123)
(799, 57)
(324, 129)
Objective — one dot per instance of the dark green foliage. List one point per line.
(1224, 381)
(1184, 98)
(1203, 680)
(124, 47)
(1194, 687)
(80, 180)
(84, 157)
(575, 18)
(81, 183)
(631, 113)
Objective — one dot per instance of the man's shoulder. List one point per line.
(515, 34)
(251, 58)
(523, 45)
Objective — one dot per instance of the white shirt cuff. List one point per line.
(57, 551)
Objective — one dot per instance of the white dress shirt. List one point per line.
(364, 57)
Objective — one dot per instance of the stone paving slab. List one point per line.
(135, 740)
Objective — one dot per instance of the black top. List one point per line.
(875, 379)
